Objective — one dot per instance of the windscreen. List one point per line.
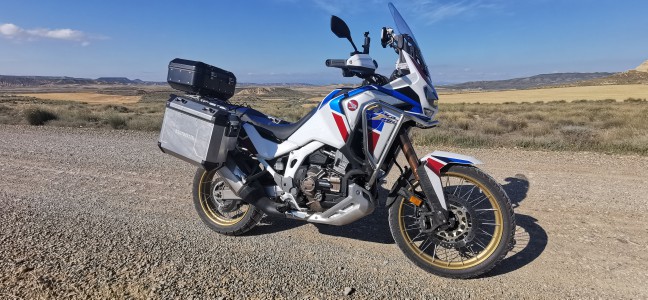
(403, 29)
(412, 48)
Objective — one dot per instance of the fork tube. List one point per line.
(409, 152)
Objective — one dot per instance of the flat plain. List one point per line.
(90, 98)
(602, 92)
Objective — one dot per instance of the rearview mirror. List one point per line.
(341, 30)
(383, 37)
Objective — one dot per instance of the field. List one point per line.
(617, 92)
(512, 119)
(90, 98)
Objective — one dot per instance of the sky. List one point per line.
(287, 41)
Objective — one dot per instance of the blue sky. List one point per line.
(288, 40)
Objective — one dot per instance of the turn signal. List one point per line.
(415, 200)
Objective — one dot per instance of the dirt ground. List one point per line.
(93, 213)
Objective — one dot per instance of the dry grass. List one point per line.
(94, 98)
(617, 92)
(31, 110)
(614, 127)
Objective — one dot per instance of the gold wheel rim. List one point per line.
(463, 264)
(213, 214)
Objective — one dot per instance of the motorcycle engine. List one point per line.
(319, 179)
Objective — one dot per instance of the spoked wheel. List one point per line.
(225, 216)
(480, 231)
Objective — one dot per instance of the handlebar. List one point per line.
(336, 63)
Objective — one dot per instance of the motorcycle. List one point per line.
(445, 214)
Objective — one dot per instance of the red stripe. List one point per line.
(435, 166)
(340, 125)
(373, 140)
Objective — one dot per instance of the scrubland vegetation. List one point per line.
(582, 125)
(602, 126)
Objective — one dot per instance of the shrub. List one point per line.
(634, 100)
(116, 122)
(463, 124)
(578, 134)
(39, 116)
(146, 123)
(5, 109)
(512, 124)
(494, 129)
(117, 108)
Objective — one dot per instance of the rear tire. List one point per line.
(482, 232)
(226, 217)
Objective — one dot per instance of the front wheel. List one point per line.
(480, 233)
(225, 216)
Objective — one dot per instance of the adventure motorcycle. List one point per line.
(446, 215)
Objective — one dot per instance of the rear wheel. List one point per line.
(481, 230)
(225, 216)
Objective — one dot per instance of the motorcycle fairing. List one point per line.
(334, 98)
(332, 122)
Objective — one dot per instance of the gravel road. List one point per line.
(89, 213)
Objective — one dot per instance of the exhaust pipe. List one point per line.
(250, 192)
(255, 196)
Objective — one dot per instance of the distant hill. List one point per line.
(629, 77)
(638, 75)
(34, 81)
(536, 81)
(643, 67)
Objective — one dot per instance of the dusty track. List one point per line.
(98, 213)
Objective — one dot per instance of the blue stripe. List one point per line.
(329, 97)
(336, 105)
(417, 106)
(448, 160)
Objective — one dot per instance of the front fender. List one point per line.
(439, 159)
(434, 162)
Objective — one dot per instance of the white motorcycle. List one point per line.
(445, 214)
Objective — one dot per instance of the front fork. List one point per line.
(431, 186)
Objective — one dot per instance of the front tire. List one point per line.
(481, 232)
(228, 217)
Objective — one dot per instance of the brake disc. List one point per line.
(461, 228)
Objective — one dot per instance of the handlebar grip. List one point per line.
(336, 63)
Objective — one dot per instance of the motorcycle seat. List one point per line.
(281, 131)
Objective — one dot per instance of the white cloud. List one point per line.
(437, 10)
(12, 31)
(9, 30)
(430, 11)
(347, 6)
(330, 6)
